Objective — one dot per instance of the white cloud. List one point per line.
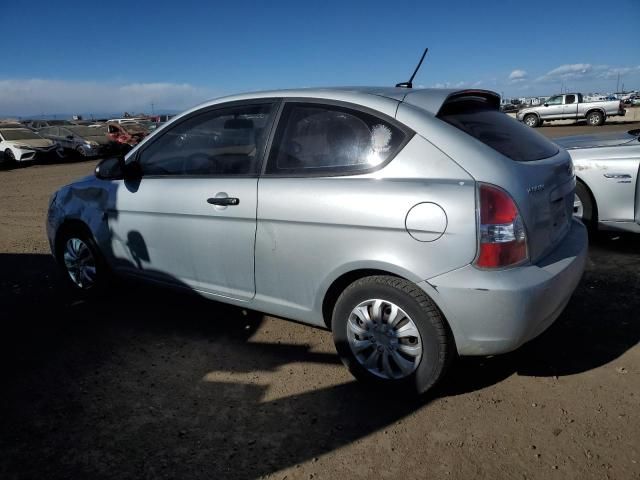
(613, 72)
(31, 97)
(460, 84)
(585, 71)
(518, 76)
(573, 71)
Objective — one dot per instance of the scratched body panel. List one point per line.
(609, 169)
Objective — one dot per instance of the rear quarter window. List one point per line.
(477, 117)
(320, 139)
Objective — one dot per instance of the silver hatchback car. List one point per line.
(415, 224)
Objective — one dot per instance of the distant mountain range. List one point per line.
(85, 115)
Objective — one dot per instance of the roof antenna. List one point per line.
(409, 84)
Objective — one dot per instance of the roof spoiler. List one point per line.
(462, 98)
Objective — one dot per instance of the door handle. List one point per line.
(617, 175)
(224, 201)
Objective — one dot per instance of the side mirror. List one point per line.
(115, 168)
(70, 137)
(132, 170)
(546, 104)
(111, 168)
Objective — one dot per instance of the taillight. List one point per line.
(503, 240)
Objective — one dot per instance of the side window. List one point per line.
(319, 139)
(44, 131)
(53, 131)
(568, 99)
(557, 100)
(225, 141)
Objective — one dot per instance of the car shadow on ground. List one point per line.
(599, 324)
(115, 387)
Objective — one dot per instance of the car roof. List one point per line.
(429, 99)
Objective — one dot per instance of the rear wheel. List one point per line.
(584, 207)
(595, 119)
(531, 120)
(389, 333)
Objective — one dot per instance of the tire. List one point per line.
(418, 327)
(595, 119)
(531, 120)
(584, 207)
(10, 158)
(83, 267)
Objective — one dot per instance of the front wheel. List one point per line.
(10, 158)
(81, 152)
(389, 333)
(583, 207)
(83, 267)
(595, 119)
(531, 120)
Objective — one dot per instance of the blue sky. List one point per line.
(109, 56)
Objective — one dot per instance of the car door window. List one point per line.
(555, 100)
(569, 99)
(224, 141)
(315, 139)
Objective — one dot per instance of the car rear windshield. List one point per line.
(478, 118)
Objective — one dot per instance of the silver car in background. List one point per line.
(82, 140)
(571, 106)
(415, 224)
(607, 168)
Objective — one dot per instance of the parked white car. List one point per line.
(23, 145)
(608, 188)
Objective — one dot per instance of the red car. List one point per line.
(128, 133)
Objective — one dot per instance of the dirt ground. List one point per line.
(154, 384)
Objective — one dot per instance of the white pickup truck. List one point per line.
(571, 106)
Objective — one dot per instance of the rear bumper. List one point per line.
(492, 312)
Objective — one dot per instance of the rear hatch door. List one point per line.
(536, 172)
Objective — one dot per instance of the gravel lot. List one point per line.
(152, 384)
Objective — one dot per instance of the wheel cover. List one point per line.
(531, 121)
(79, 263)
(578, 208)
(384, 339)
(594, 119)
